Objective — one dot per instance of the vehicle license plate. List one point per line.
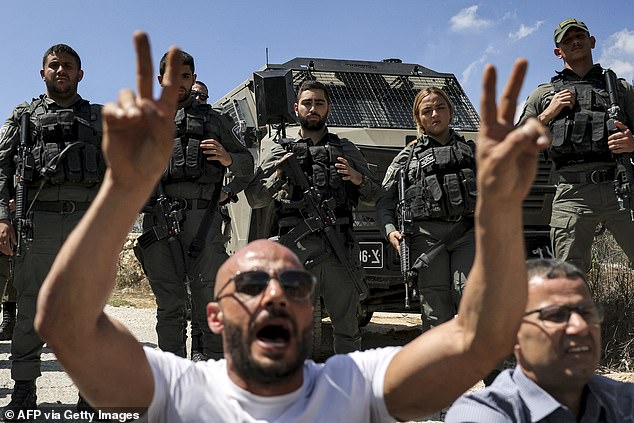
(371, 255)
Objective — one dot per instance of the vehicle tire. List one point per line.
(365, 318)
(317, 329)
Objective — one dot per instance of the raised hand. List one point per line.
(507, 157)
(139, 130)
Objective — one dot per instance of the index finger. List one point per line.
(508, 102)
(144, 74)
(488, 108)
(169, 95)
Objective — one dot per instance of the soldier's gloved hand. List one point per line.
(138, 130)
(214, 150)
(348, 172)
(621, 142)
(7, 237)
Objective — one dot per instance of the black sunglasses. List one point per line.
(558, 314)
(298, 284)
(198, 94)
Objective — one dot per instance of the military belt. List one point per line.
(61, 207)
(592, 177)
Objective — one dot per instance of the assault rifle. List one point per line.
(624, 177)
(318, 217)
(170, 216)
(25, 170)
(406, 230)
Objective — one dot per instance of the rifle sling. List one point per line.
(424, 260)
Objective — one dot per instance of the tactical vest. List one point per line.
(188, 163)
(318, 163)
(67, 143)
(443, 182)
(581, 134)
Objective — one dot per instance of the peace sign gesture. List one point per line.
(139, 130)
(506, 157)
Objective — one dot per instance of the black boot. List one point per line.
(23, 397)
(8, 321)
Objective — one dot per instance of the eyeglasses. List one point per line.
(200, 95)
(298, 284)
(558, 315)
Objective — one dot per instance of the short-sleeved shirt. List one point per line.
(346, 388)
(513, 397)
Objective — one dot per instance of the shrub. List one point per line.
(612, 283)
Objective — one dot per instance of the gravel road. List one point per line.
(55, 389)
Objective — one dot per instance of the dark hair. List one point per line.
(187, 60)
(553, 268)
(61, 48)
(311, 84)
(201, 83)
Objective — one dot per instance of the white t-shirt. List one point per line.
(346, 388)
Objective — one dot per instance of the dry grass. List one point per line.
(612, 282)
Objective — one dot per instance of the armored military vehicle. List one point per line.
(372, 107)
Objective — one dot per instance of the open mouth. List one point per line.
(273, 335)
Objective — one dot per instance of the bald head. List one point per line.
(259, 254)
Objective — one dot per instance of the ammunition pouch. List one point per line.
(318, 163)
(188, 163)
(447, 189)
(67, 145)
(581, 134)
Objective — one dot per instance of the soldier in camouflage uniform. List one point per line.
(574, 106)
(205, 150)
(441, 194)
(69, 166)
(338, 170)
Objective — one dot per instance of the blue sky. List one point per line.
(228, 38)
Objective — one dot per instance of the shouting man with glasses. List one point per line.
(558, 349)
(262, 302)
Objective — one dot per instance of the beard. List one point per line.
(249, 369)
(309, 125)
(63, 93)
(185, 96)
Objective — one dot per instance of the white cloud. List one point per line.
(525, 31)
(476, 65)
(467, 20)
(618, 54)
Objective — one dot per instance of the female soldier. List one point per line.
(440, 195)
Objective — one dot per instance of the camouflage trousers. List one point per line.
(50, 230)
(440, 285)
(335, 287)
(169, 288)
(577, 210)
